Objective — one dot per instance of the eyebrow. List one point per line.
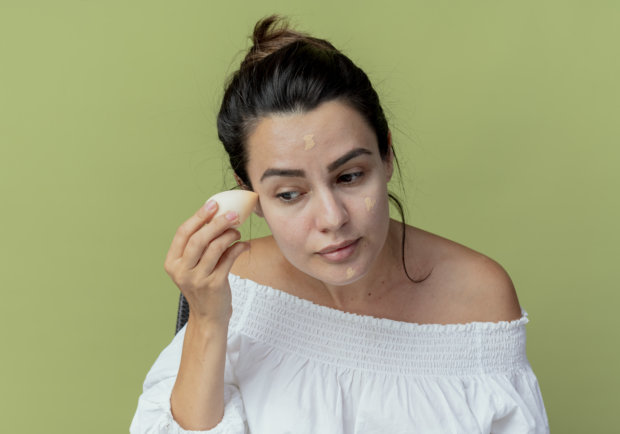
(299, 173)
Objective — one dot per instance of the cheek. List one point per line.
(288, 229)
(374, 202)
(370, 202)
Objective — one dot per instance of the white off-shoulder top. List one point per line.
(297, 367)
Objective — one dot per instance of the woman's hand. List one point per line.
(199, 260)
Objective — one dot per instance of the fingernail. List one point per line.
(210, 205)
(232, 215)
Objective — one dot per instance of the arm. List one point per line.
(198, 261)
(197, 400)
(517, 404)
(154, 414)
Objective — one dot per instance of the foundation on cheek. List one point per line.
(309, 140)
(370, 203)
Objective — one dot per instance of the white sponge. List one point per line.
(240, 201)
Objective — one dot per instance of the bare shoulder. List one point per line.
(255, 263)
(474, 286)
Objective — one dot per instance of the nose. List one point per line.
(331, 213)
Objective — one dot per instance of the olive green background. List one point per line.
(505, 117)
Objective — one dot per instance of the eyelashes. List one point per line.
(288, 196)
(346, 179)
(350, 178)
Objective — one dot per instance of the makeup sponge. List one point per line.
(240, 201)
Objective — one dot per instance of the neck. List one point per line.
(385, 272)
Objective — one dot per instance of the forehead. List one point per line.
(296, 139)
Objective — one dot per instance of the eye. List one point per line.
(350, 178)
(288, 196)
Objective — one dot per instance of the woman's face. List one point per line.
(322, 189)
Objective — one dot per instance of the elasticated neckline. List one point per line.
(291, 324)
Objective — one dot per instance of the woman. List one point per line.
(344, 320)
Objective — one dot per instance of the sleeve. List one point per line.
(153, 415)
(518, 405)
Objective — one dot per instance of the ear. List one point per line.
(257, 209)
(240, 183)
(389, 158)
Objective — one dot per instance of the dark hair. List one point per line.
(287, 71)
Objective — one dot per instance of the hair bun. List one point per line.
(273, 33)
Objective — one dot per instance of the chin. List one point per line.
(339, 274)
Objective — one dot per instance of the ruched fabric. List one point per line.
(296, 367)
(154, 416)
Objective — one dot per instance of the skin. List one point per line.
(463, 285)
(370, 203)
(198, 262)
(309, 141)
(312, 199)
(310, 211)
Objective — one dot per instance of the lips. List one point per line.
(339, 251)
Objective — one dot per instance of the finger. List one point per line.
(216, 249)
(188, 228)
(207, 237)
(228, 259)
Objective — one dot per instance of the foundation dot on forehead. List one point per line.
(370, 203)
(350, 272)
(309, 140)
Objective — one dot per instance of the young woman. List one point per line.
(343, 320)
